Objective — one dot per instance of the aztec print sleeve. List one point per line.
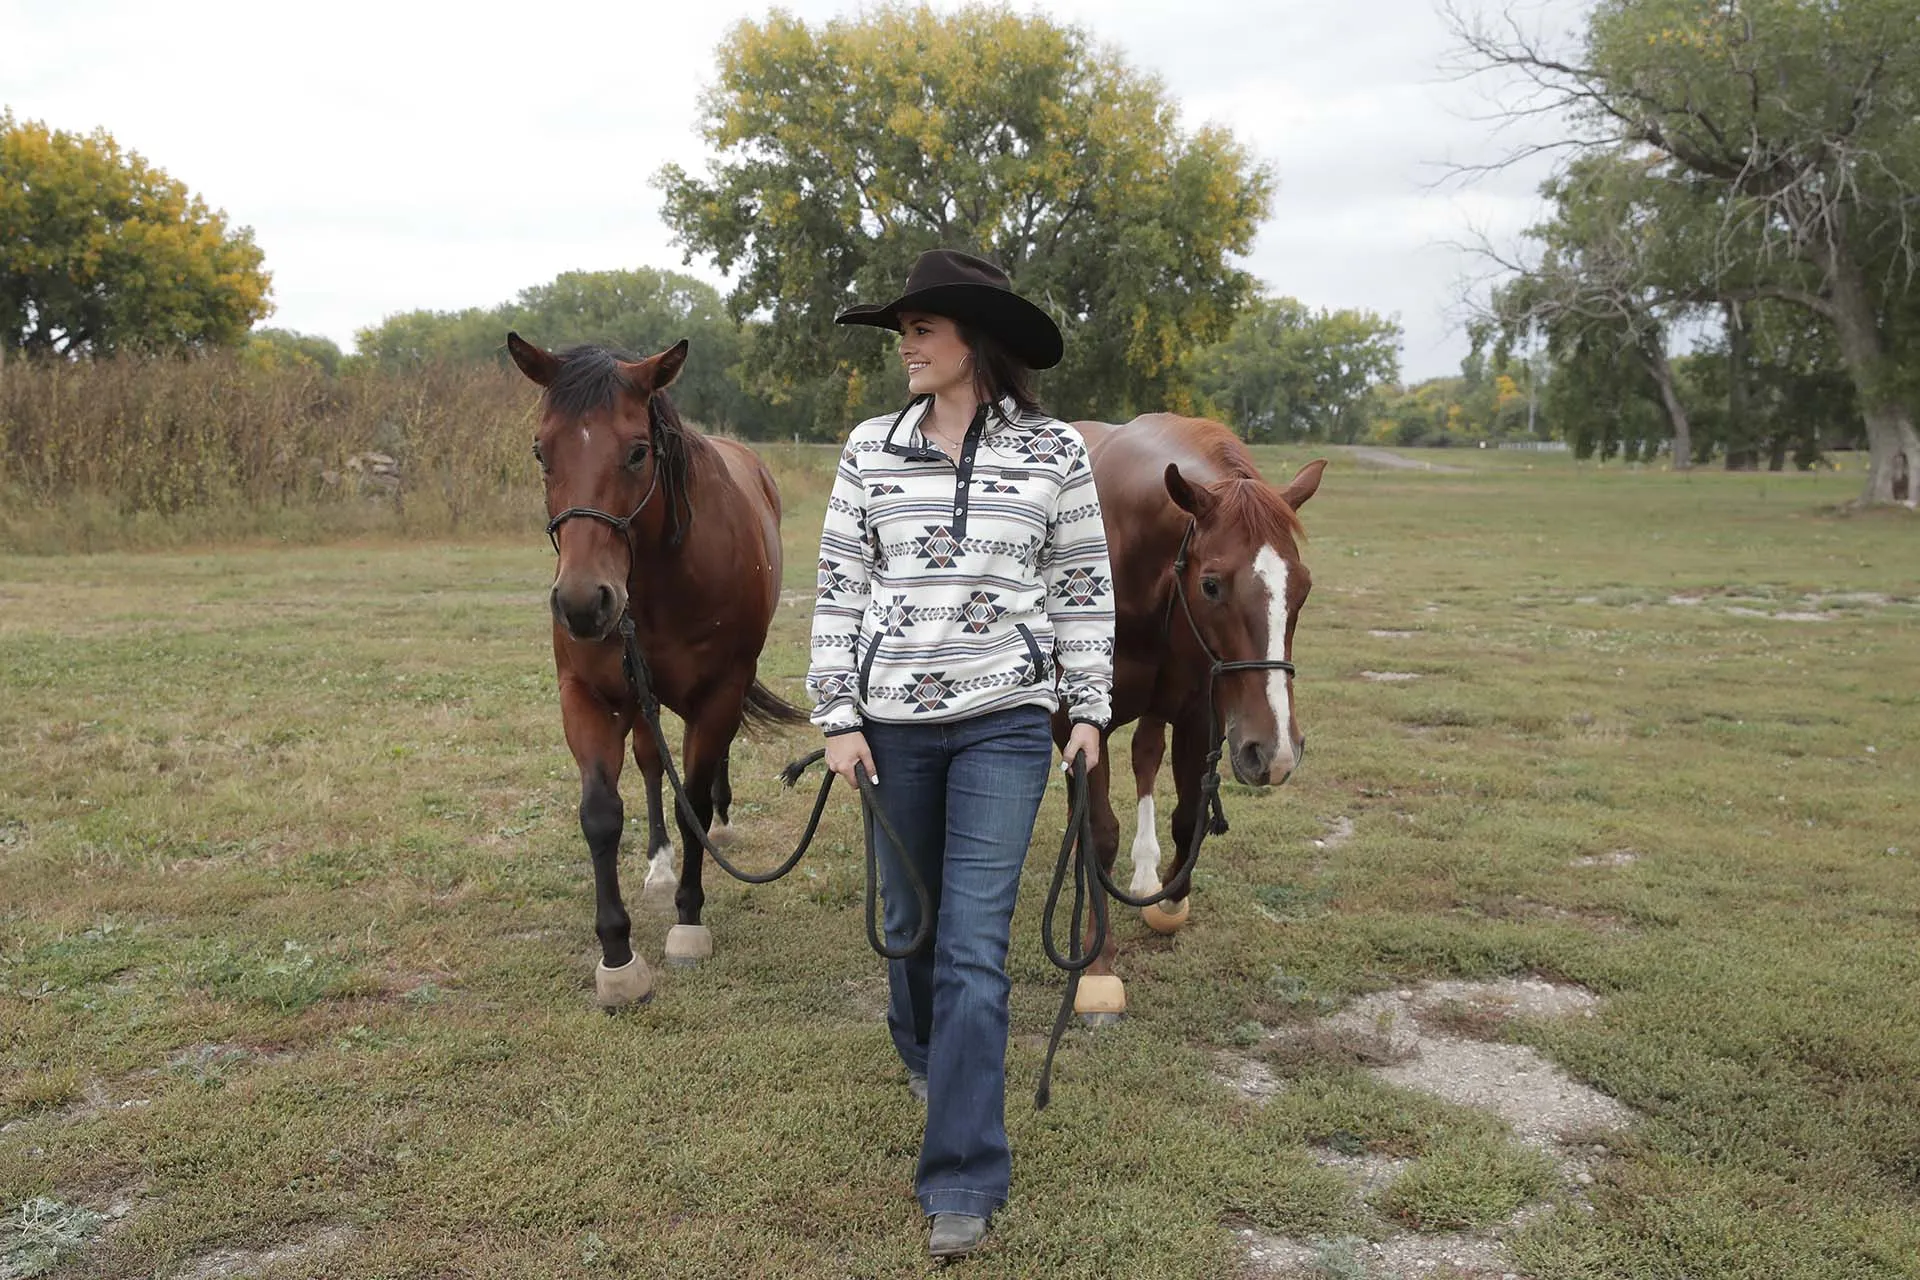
(840, 602)
(1079, 580)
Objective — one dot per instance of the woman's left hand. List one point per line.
(1085, 739)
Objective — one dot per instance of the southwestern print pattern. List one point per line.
(947, 590)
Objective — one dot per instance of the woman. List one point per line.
(964, 592)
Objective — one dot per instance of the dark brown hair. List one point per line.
(996, 374)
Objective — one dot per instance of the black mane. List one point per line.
(590, 379)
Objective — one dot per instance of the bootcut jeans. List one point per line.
(963, 797)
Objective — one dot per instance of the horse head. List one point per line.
(1244, 584)
(611, 450)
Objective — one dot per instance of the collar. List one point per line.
(906, 439)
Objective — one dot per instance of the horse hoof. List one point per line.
(1100, 999)
(721, 836)
(688, 945)
(1167, 917)
(631, 983)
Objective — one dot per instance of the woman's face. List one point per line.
(935, 357)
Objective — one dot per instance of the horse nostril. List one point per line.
(603, 601)
(1254, 759)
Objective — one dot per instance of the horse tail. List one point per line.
(764, 709)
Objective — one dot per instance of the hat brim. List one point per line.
(1028, 333)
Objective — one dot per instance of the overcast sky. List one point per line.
(402, 155)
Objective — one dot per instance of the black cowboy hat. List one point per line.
(946, 282)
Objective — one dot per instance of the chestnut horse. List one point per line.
(1187, 513)
(652, 521)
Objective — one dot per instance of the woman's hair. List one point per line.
(996, 374)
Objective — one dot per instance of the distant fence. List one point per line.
(1535, 446)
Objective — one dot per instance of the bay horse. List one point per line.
(654, 521)
(1176, 489)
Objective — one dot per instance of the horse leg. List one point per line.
(1189, 810)
(661, 880)
(1101, 996)
(721, 832)
(1149, 748)
(622, 977)
(702, 751)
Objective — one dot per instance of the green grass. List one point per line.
(289, 861)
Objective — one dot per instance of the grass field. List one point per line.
(295, 920)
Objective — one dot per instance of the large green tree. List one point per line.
(844, 150)
(1799, 121)
(100, 251)
(1286, 371)
(1608, 288)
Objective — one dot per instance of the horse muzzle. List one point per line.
(587, 612)
(1257, 764)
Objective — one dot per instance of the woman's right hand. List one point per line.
(844, 751)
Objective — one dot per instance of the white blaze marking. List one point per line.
(1146, 853)
(1272, 570)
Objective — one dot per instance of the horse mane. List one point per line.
(591, 378)
(1245, 498)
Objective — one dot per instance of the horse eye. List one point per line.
(1210, 587)
(538, 456)
(637, 454)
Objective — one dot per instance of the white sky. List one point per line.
(406, 155)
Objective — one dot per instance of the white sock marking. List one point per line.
(1272, 570)
(1146, 852)
(660, 874)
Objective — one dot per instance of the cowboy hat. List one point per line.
(946, 282)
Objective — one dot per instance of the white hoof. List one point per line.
(1100, 999)
(631, 983)
(1167, 917)
(661, 881)
(689, 944)
(721, 836)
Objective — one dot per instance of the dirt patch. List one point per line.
(94, 1101)
(1386, 634)
(1339, 831)
(249, 1262)
(1396, 462)
(1435, 1039)
(1618, 858)
(1389, 677)
(1252, 1080)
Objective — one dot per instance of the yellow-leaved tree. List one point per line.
(101, 252)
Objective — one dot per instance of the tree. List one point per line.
(640, 311)
(1290, 372)
(844, 151)
(1603, 292)
(100, 251)
(279, 348)
(1801, 122)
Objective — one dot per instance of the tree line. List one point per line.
(1749, 168)
(1744, 176)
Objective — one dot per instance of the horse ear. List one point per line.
(536, 364)
(1304, 485)
(657, 373)
(1189, 497)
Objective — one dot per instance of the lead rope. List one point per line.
(1092, 883)
(640, 679)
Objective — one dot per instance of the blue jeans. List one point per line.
(963, 797)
